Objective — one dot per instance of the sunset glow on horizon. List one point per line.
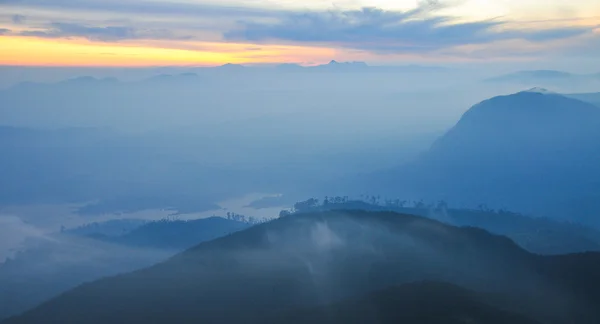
(207, 33)
(28, 51)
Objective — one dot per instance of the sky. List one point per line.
(209, 32)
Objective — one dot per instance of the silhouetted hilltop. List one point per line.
(231, 67)
(342, 66)
(534, 151)
(507, 127)
(321, 258)
(535, 234)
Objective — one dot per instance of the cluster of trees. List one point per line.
(370, 202)
(245, 219)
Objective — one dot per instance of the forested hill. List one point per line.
(321, 258)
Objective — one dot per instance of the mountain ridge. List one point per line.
(537, 153)
(315, 259)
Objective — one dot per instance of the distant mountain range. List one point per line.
(541, 76)
(194, 74)
(593, 98)
(327, 266)
(559, 80)
(357, 66)
(534, 151)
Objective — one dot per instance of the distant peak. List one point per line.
(539, 90)
(353, 64)
(334, 62)
(231, 65)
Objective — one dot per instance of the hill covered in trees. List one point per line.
(317, 259)
(535, 234)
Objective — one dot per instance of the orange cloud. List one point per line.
(31, 51)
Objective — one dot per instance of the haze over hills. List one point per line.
(532, 76)
(534, 151)
(49, 265)
(593, 98)
(564, 82)
(177, 235)
(310, 260)
(377, 161)
(547, 78)
(186, 141)
(163, 74)
(539, 235)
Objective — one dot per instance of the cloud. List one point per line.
(388, 31)
(422, 30)
(552, 34)
(18, 19)
(13, 232)
(4, 31)
(589, 46)
(145, 7)
(104, 34)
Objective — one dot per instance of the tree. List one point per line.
(306, 205)
(420, 204)
(442, 205)
(285, 213)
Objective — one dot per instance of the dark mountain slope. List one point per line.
(531, 152)
(422, 302)
(315, 259)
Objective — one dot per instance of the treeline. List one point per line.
(245, 219)
(372, 202)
